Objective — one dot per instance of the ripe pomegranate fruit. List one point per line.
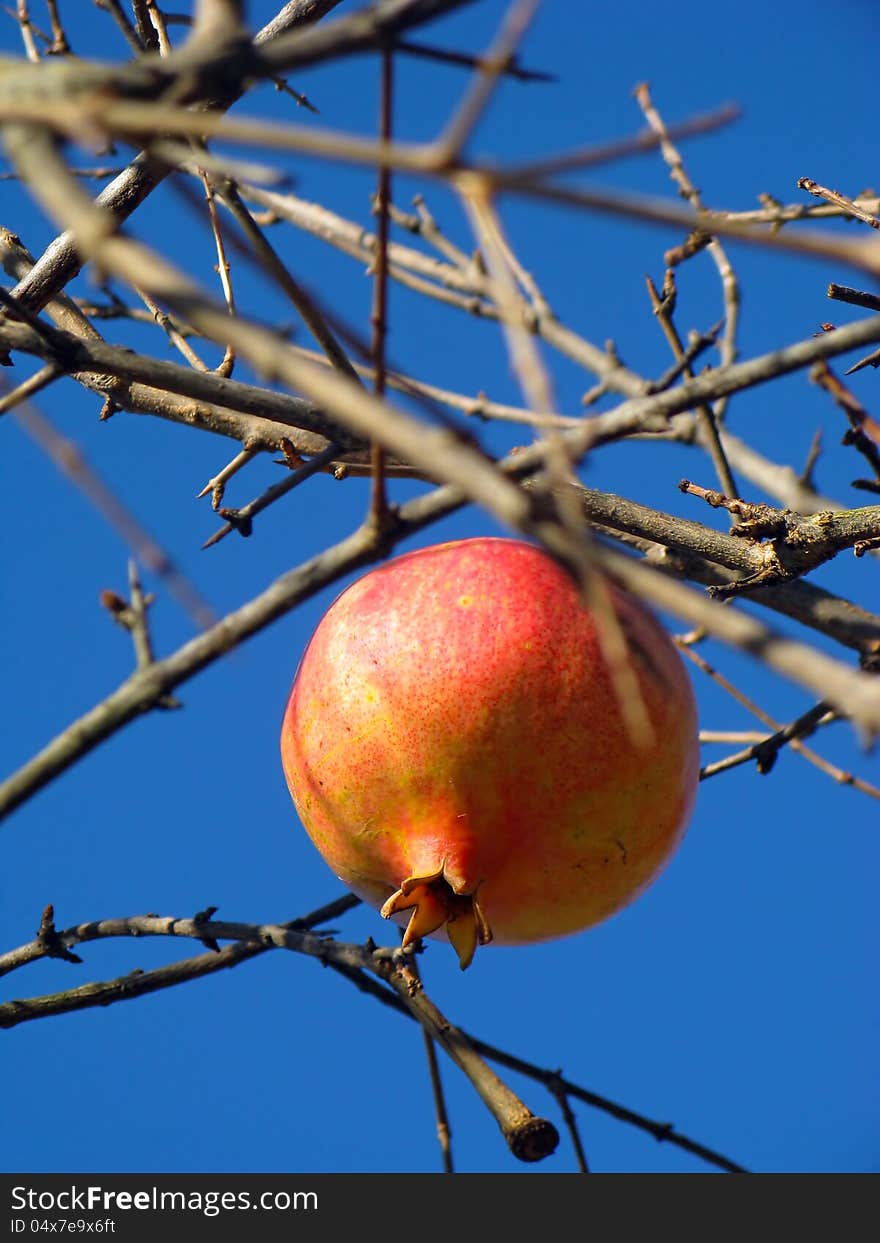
(455, 747)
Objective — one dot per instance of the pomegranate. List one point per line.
(456, 750)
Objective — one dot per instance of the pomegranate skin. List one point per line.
(453, 721)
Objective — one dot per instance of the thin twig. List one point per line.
(216, 485)
(129, 33)
(478, 407)
(301, 298)
(571, 1123)
(242, 519)
(837, 774)
(856, 297)
(644, 143)
(71, 462)
(444, 1134)
(30, 387)
(529, 1137)
(766, 752)
(849, 206)
(729, 282)
(864, 431)
(662, 308)
(859, 630)
(535, 383)
(132, 616)
(450, 56)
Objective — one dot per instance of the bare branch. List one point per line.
(818, 761)
(846, 205)
(571, 1123)
(788, 545)
(529, 1138)
(171, 99)
(251, 940)
(287, 31)
(71, 462)
(766, 752)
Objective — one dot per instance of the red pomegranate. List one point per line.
(455, 747)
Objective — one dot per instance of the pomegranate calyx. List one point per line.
(434, 903)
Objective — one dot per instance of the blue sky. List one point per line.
(737, 997)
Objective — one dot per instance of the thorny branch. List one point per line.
(170, 101)
(788, 545)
